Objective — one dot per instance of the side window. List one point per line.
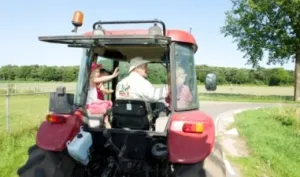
(156, 72)
(186, 82)
(82, 80)
(107, 63)
(123, 70)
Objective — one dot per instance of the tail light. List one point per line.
(193, 127)
(54, 118)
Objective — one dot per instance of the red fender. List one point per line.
(189, 148)
(53, 136)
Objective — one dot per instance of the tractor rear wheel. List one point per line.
(43, 163)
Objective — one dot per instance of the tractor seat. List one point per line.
(131, 114)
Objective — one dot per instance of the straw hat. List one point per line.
(135, 62)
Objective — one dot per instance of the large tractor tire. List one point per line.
(43, 163)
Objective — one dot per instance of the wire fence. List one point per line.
(24, 106)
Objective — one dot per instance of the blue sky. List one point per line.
(23, 21)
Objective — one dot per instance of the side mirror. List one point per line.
(211, 82)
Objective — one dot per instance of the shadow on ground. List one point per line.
(214, 165)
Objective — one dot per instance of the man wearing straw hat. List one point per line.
(136, 86)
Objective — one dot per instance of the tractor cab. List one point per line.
(170, 52)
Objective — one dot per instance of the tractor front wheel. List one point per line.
(43, 163)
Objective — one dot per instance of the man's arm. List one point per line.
(152, 94)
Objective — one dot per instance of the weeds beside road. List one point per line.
(246, 98)
(273, 137)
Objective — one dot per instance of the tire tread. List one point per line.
(43, 163)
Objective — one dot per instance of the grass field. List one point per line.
(234, 89)
(27, 112)
(273, 137)
(25, 87)
(223, 92)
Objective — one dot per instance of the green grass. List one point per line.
(31, 87)
(13, 152)
(245, 98)
(26, 113)
(273, 137)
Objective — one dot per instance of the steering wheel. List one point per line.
(159, 107)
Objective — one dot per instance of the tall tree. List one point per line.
(273, 26)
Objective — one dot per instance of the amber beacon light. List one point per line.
(77, 20)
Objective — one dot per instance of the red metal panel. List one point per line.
(189, 148)
(53, 136)
(175, 35)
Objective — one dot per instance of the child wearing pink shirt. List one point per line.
(184, 95)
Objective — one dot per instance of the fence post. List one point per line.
(7, 109)
(231, 88)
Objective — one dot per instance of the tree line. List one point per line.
(225, 75)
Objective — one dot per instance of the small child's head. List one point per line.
(180, 75)
(95, 71)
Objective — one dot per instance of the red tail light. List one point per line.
(54, 118)
(193, 128)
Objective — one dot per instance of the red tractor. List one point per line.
(141, 141)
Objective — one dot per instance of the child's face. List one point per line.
(180, 80)
(97, 74)
(94, 74)
(180, 77)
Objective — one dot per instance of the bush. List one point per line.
(288, 116)
(280, 76)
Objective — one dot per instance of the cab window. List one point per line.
(107, 63)
(82, 75)
(156, 72)
(186, 82)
